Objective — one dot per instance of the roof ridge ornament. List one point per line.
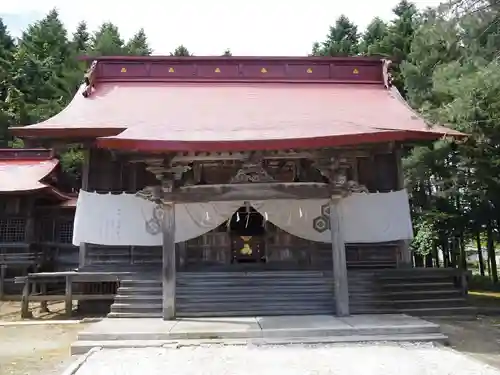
(386, 64)
(89, 79)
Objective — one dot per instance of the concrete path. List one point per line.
(351, 359)
(120, 333)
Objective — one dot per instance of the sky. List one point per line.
(209, 27)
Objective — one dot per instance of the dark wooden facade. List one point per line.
(36, 227)
(375, 167)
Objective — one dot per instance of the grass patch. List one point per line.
(481, 293)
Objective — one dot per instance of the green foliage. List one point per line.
(342, 40)
(40, 75)
(181, 51)
(138, 45)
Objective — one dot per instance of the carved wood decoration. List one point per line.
(252, 171)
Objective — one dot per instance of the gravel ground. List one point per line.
(35, 350)
(382, 359)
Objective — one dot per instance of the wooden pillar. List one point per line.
(168, 270)
(85, 186)
(3, 273)
(68, 298)
(405, 256)
(25, 309)
(339, 261)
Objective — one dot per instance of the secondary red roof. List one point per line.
(24, 175)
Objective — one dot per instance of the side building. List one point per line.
(237, 186)
(36, 218)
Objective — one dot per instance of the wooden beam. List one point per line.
(251, 191)
(339, 261)
(168, 269)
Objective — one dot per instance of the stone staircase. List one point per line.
(417, 292)
(139, 296)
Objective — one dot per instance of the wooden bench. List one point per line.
(7, 260)
(69, 277)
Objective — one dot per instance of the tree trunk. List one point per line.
(491, 251)
(429, 260)
(480, 253)
(463, 254)
(435, 251)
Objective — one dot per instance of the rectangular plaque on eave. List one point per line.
(356, 72)
(172, 70)
(308, 71)
(217, 71)
(111, 69)
(263, 71)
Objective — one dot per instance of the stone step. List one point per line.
(134, 315)
(141, 283)
(138, 298)
(420, 312)
(416, 286)
(410, 304)
(264, 296)
(82, 347)
(415, 328)
(408, 294)
(140, 290)
(137, 307)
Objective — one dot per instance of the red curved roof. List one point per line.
(140, 112)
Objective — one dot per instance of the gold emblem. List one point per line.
(171, 70)
(246, 249)
(309, 70)
(217, 70)
(124, 70)
(355, 71)
(263, 70)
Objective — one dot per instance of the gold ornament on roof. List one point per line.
(309, 70)
(217, 70)
(124, 70)
(355, 71)
(171, 70)
(263, 70)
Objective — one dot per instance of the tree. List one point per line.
(342, 40)
(107, 41)
(138, 45)
(42, 79)
(181, 51)
(81, 38)
(375, 32)
(7, 48)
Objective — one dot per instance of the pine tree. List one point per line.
(181, 51)
(81, 38)
(375, 32)
(106, 41)
(41, 72)
(342, 40)
(7, 48)
(138, 45)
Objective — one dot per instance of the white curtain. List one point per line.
(127, 220)
(366, 218)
